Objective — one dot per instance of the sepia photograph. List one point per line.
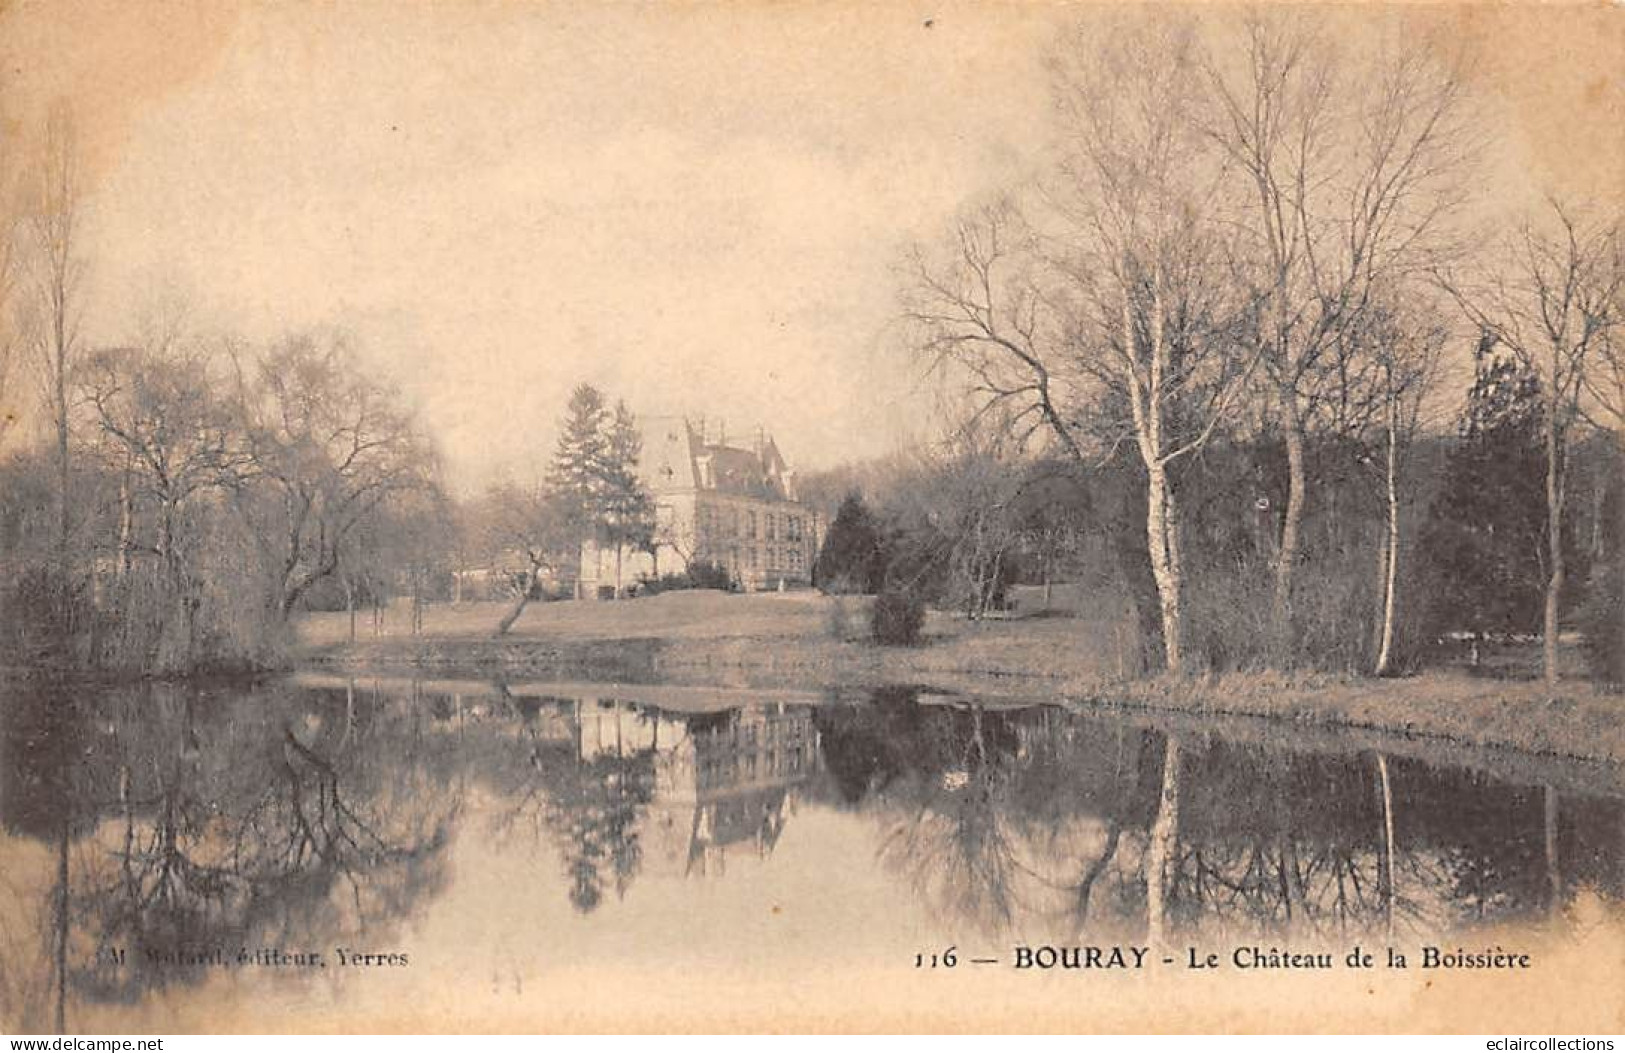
(816, 516)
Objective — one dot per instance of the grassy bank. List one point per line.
(807, 639)
(1580, 721)
(718, 637)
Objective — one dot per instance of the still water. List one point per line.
(321, 849)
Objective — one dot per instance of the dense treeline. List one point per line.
(171, 501)
(210, 491)
(1233, 292)
(958, 531)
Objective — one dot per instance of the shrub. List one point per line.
(699, 575)
(48, 616)
(1603, 623)
(705, 574)
(647, 586)
(897, 618)
(853, 557)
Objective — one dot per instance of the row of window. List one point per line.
(786, 559)
(772, 558)
(727, 522)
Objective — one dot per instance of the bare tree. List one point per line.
(165, 429)
(670, 533)
(1127, 307)
(537, 523)
(1349, 174)
(964, 500)
(1553, 298)
(325, 446)
(1398, 352)
(1603, 397)
(58, 270)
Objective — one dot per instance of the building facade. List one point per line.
(731, 505)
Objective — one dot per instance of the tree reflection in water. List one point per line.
(601, 777)
(587, 802)
(184, 820)
(992, 816)
(955, 837)
(1279, 844)
(1020, 819)
(189, 824)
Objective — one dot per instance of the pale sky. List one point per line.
(697, 207)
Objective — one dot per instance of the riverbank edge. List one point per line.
(1579, 721)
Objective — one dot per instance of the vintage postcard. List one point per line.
(531, 516)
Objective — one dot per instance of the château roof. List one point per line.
(678, 456)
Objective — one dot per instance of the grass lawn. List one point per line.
(691, 614)
(701, 629)
(800, 639)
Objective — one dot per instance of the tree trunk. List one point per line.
(1554, 539)
(1161, 517)
(1385, 653)
(126, 518)
(1286, 557)
(63, 465)
(1161, 524)
(514, 613)
(1598, 492)
(349, 604)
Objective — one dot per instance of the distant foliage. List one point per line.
(897, 618)
(1602, 621)
(208, 497)
(853, 558)
(45, 616)
(1602, 616)
(1233, 512)
(1483, 541)
(705, 574)
(701, 574)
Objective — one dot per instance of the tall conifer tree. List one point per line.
(1483, 538)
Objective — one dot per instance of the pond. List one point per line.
(328, 853)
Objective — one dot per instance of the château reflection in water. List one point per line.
(151, 833)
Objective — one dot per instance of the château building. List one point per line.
(731, 505)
